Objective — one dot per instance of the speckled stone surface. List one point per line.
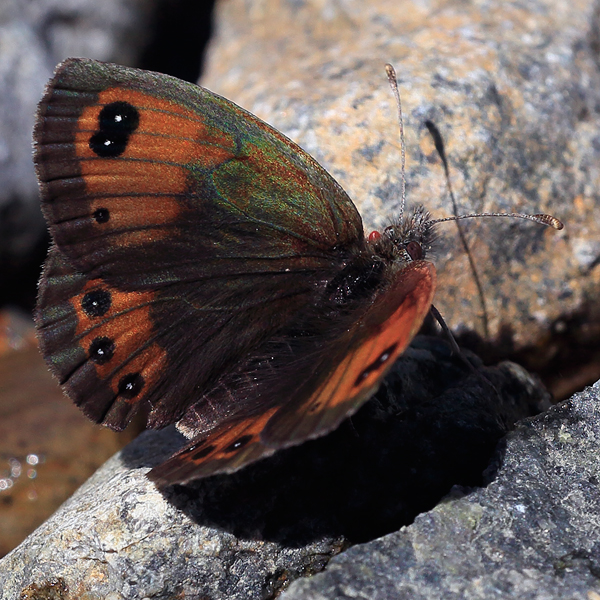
(514, 89)
(246, 536)
(533, 533)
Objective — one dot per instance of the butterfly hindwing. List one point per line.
(318, 393)
(230, 446)
(100, 342)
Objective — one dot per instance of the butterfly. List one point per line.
(208, 270)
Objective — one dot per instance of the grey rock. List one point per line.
(533, 533)
(435, 423)
(119, 535)
(514, 88)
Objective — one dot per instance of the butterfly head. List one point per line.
(407, 240)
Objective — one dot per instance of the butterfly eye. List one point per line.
(414, 249)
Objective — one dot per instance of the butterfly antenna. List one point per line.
(391, 75)
(541, 218)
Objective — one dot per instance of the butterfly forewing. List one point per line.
(147, 181)
(198, 229)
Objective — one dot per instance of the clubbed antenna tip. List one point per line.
(548, 220)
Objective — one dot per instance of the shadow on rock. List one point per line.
(434, 424)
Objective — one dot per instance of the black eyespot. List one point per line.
(385, 355)
(116, 122)
(102, 215)
(239, 443)
(131, 385)
(376, 364)
(119, 117)
(108, 145)
(96, 303)
(202, 452)
(193, 447)
(102, 349)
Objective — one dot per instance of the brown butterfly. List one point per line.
(206, 268)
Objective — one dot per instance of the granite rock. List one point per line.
(533, 533)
